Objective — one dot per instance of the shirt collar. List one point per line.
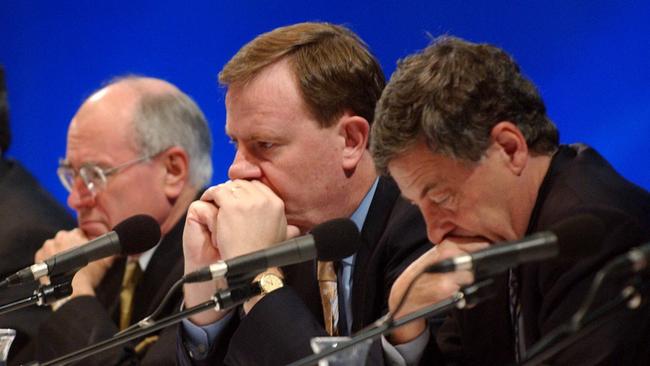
(145, 257)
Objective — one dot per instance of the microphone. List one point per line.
(131, 236)
(331, 240)
(570, 239)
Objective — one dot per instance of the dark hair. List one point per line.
(450, 95)
(5, 132)
(333, 66)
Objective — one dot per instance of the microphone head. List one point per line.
(579, 236)
(137, 234)
(335, 239)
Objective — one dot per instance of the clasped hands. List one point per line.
(231, 219)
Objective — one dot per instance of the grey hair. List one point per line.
(450, 96)
(173, 119)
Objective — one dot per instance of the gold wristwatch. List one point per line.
(270, 282)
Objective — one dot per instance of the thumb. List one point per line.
(292, 232)
(198, 248)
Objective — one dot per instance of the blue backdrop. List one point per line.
(590, 59)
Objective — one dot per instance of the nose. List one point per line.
(80, 197)
(244, 167)
(438, 224)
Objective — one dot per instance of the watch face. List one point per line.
(270, 282)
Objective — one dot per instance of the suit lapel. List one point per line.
(108, 292)
(378, 214)
(164, 268)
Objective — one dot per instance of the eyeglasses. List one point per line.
(93, 176)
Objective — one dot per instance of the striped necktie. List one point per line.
(515, 313)
(329, 296)
(132, 275)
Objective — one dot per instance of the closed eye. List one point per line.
(265, 145)
(439, 199)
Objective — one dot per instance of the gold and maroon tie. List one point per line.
(329, 296)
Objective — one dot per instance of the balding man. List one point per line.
(136, 146)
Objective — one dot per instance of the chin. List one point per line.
(94, 229)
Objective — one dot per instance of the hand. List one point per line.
(429, 288)
(199, 250)
(87, 278)
(251, 217)
(230, 220)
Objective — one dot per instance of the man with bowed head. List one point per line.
(300, 101)
(466, 137)
(136, 146)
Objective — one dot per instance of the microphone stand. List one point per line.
(59, 287)
(466, 296)
(223, 299)
(564, 336)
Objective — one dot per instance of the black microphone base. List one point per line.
(46, 294)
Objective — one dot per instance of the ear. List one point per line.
(509, 139)
(355, 131)
(175, 161)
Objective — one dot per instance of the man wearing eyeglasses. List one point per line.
(136, 146)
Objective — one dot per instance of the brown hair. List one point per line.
(333, 66)
(451, 95)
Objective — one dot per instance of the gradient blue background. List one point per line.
(589, 59)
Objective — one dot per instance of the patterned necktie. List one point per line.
(132, 275)
(515, 312)
(329, 296)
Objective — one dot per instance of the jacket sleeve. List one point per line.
(84, 321)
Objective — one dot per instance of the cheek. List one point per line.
(129, 198)
(300, 185)
(469, 210)
(107, 204)
(479, 216)
(300, 167)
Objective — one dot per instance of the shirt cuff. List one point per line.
(405, 354)
(58, 303)
(199, 339)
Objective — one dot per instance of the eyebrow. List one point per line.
(258, 136)
(66, 163)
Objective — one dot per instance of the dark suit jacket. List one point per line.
(86, 320)
(578, 181)
(29, 216)
(280, 326)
